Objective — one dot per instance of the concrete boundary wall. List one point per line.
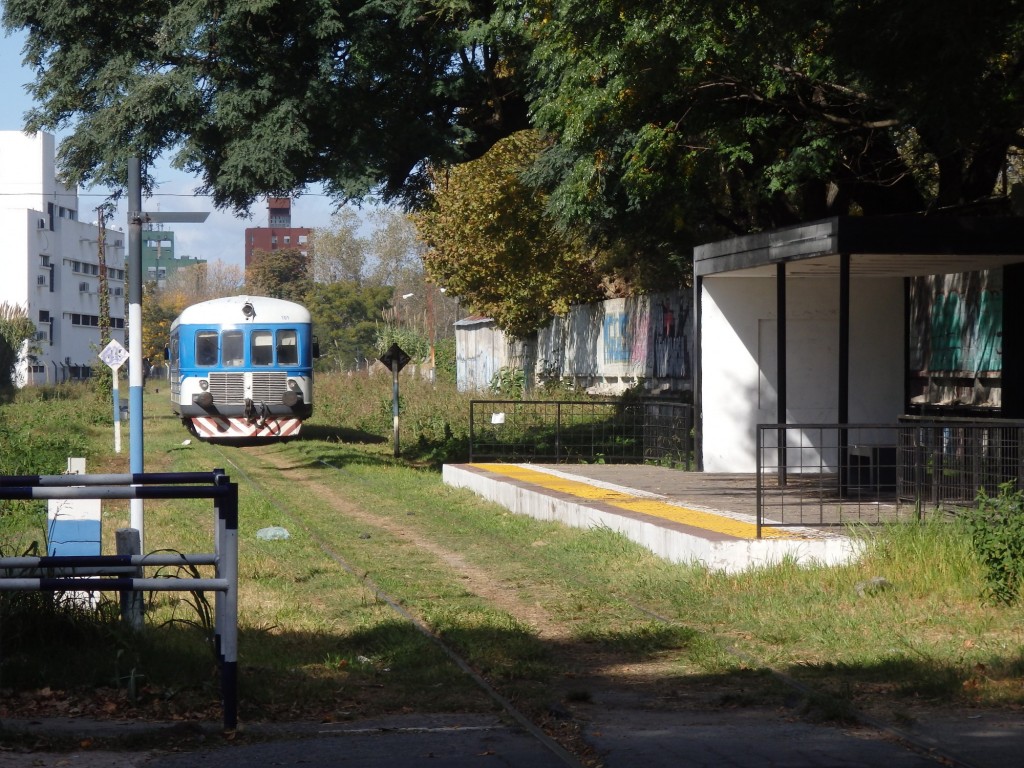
(606, 347)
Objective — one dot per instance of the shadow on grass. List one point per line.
(393, 667)
(341, 435)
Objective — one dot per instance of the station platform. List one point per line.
(685, 517)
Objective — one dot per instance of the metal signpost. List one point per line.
(395, 359)
(114, 355)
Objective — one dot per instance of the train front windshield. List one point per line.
(266, 348)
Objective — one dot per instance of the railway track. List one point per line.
(256, 468)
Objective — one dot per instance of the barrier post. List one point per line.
(128, 544)
(227, 616)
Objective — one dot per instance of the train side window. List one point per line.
(173, 353)
(287, 347)
(206, 348)
(233, 348)
(262, 348)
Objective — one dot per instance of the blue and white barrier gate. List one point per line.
(99, 573)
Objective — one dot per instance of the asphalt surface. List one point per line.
(622, 734)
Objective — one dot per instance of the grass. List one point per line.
(543, 611)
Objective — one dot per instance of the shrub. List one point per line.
(997, 532)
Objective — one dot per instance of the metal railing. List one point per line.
(125, 573)
(552, 431)
(821, 475)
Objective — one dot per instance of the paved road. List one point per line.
(622, 735)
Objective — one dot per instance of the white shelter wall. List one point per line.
(740, 365)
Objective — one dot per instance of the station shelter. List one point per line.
(856, 320)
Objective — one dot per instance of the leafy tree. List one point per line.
(396, 253)
(338, 251)
(492, 245)
(281, 274)
(159, 308)
(677, 122)
(265, 97)
(345, 318)
(16, 328)
(200, 282)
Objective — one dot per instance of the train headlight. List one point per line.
(204, 384)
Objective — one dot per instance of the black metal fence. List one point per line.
(612, 432)
(827, 475)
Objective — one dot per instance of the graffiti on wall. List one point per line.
(616, 336)
(671, 337)
(642, 337)
(957, 324)
(956, 333)
(650, 336)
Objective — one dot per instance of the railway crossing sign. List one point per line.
(396, 359)
(395, 354)
(114, 354)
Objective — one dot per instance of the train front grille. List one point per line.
(268, 386)
(227, 387)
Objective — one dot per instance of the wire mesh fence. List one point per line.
(612, 432)
(821, 475)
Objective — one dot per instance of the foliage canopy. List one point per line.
(492, 244)
(266, 97)
(677, 122)
(665, 123)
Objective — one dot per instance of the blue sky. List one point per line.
(220, 238)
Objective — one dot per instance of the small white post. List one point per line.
(117, 414)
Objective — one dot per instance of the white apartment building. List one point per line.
(49, 252)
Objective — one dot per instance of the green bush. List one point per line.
(997, 532)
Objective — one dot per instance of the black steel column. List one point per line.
(698, 398)
(1013, 342)
(780, 365)
(906, 345)
(844, 368)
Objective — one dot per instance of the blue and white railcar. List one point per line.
(241, 367)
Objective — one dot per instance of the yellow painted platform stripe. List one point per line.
(678, 514)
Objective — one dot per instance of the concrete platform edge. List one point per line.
(731, 556)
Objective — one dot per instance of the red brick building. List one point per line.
(279, 232)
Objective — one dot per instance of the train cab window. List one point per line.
(262, 348)
(287, 347)
(233, 349)
(206, 348)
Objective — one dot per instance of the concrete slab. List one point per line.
(635, 504)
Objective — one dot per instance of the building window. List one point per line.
(93, 321)
(44, 261)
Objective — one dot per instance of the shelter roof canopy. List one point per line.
(879, 246)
